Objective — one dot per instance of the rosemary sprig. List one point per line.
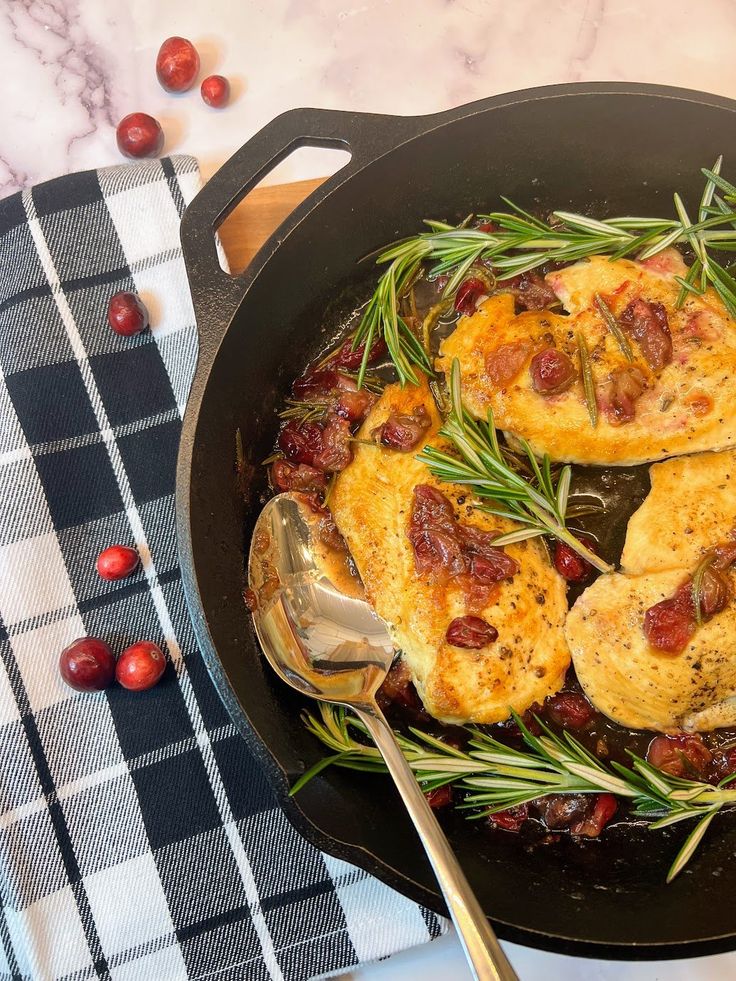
(588, 383)
(539, 504)
(521, 242)
(612, 324)
(494, 776)
(697, 586)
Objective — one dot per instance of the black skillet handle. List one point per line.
(215, 294)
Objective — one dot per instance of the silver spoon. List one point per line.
(332, 646)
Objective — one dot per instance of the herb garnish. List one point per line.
(612, 324)
(540, 503)
(588, 383)
(522, 243)
(494, 776)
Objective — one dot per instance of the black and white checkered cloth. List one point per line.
(138, 839)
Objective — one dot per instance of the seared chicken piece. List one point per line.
(690, 509)
(677, 394)
(372, 503)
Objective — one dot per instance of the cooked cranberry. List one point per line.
(647, 324)
(715, 592)
(432, 533)
(354, 406)
(336, 452)
(679, 755)
(506, 361)
(403, 431)
(468, 294)
(398, 687)
(618, 394)
(439, 797)
(470, 632)
(511, 819)
(530, 290)
(177, 64)
(570, 709)
(287, 477)
(315, 385)
(552, 372)
(139, 135)
(590, 826)
(725, 555)
(351, 360)
(127, 314)
(301, 442)
(723, 764)
(669, 625)
(560, 811)
(487, 226)
(140, 666)
(329, 535)
(215, 91)
(569, 564)
(250, 599)
(117, 562)
(87, 664)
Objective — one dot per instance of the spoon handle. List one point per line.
(484, 953)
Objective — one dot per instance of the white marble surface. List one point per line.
(73, 68)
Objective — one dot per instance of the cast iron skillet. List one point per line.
(606, 147)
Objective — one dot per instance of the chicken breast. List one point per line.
(691, 507)
(372, 504)
(685, 405)
(632, 683)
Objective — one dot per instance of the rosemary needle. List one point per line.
(588, 383)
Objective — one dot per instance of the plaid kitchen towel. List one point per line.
(138, 839)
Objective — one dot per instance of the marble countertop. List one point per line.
(73, 68)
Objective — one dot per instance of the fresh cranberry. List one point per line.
(680, 755)
(215, 91)
(126, 314)
(468, 294)
(511, 819)
(570, 565)
(177, 64)
(470, 632)
(117, 562)
(87, 664)
(647, 323)
(301, 442)
(570, 709)
(140, 666)
(403, 431)
(349, 359)
(439, 797)
(594, 822)
(669, 625)
(286, 476)
(551, 372)
(139, 135)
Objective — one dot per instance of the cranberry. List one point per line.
(215, 90)
(511, 819)
(336, 452)
(139, 135)
(570, 709)
(140, 666)
(505, 362)
(433, 535)
(560, 811)
(468, 294)
(679, 755)
(117, 562)
(551, 371)
(669, 625)
(647, 324)
(127, 314)
(723, 764)
(402, 431)
(487, 227)
(531, 290)
(594, 822)
(398, 687)
(177, 64)
(439, 797)
(569, 564)
(715, 592)
(287, 477)
(725, 555)
(351, 360)
(87, 664)
(301, 442)
(315, 385)
(619, 392)
(354, 406)
(470, 632)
